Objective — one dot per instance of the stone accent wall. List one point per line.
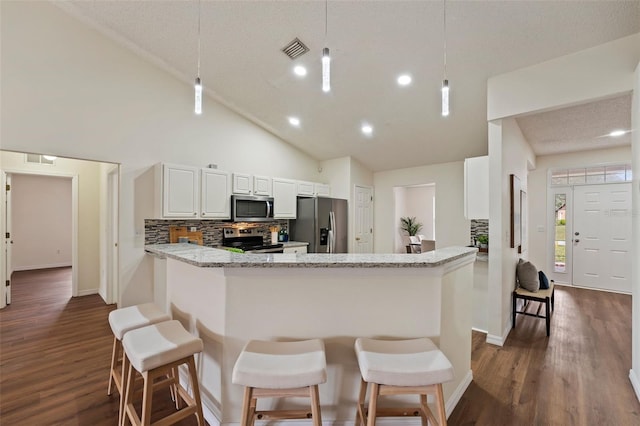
(156, 231)
(479, 227)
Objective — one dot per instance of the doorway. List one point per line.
(419, 202)
(591, 229)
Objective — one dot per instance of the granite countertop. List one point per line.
(208, 257)
(290, 244)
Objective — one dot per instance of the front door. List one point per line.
(601, 239)
(8, 269)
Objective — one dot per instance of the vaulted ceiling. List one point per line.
(372, 43)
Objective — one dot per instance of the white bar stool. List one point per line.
(280, 369)
(126, 319)
(155, 351)
(401, 367)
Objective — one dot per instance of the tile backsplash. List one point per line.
(156, 231)
(479, 227)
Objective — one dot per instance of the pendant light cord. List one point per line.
(199, 18)
(444, 34)
(326, 19)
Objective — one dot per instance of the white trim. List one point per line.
(635, 383)
(592, 288)
(44, 266)
(479, 330)
(74, 218)
(453, 400)
(492, 339)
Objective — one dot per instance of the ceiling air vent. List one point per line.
(295, 48)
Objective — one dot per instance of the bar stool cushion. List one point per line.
(414, 362)
(132, 317)
(281, 365)
(159, 344)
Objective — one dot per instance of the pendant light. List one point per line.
(445, 82)
(198, 83)
(326, 58)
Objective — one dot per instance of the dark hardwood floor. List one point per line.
(577, 376)
(55, 352)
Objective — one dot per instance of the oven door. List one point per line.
(267, 250)
(251, 208)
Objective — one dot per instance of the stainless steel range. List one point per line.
(248, 239)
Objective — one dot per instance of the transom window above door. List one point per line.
(591, 175)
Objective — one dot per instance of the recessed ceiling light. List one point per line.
(299, 70)
(617, 133)
(404, 80)
(294, 121)
(367, 129)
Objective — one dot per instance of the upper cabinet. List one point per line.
(262, 185)
(305, 188)
(242, 183)
(180, 195)
(190, 192)
(322, 189)
(476, 188)
(284, 198)
(215, 200)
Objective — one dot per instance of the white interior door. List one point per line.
(112, 235)
(602, 236)
(363, 219)
(8, 265)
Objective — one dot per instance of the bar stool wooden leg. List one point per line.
(373, 404)
(147, 398)
(442, 414)
(360, 417)
(114, 355)
(195, 388)
(246, 406)
(425, 408)
(315, 406)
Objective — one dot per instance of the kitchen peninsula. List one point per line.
(228, 298)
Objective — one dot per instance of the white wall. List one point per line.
(452, 229)
(88, 210)
(41, 226)
(68, 90)
(594, 73)
(602, 71)
(509, 153)
(540, 252)
(634, 374)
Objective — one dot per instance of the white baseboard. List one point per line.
(635, 383)
(87, 292)
(43, 266)
(492, 339)
(479, 330)
(212, 414)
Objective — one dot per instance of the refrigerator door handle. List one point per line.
(332, 240)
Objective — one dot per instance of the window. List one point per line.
(591, 175)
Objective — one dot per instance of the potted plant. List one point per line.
(410, 225)
(483, 240)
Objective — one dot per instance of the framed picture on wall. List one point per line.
(515, 212)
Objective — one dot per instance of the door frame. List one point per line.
(74, 219)
(356, 216)
(113, 232)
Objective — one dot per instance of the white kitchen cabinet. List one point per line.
(284, 198)
(215, 200)
(180, 191)
(262, 185)
(242, 183)
(302, 249)
(476, 188)
(322, 189)
(305, 188)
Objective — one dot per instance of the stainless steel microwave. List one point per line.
(251, 208)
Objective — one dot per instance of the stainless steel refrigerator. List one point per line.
(322, 222)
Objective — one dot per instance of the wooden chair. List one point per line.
(546, 296)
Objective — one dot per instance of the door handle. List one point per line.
(357, 238)
(576, 241)
(576, 234)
